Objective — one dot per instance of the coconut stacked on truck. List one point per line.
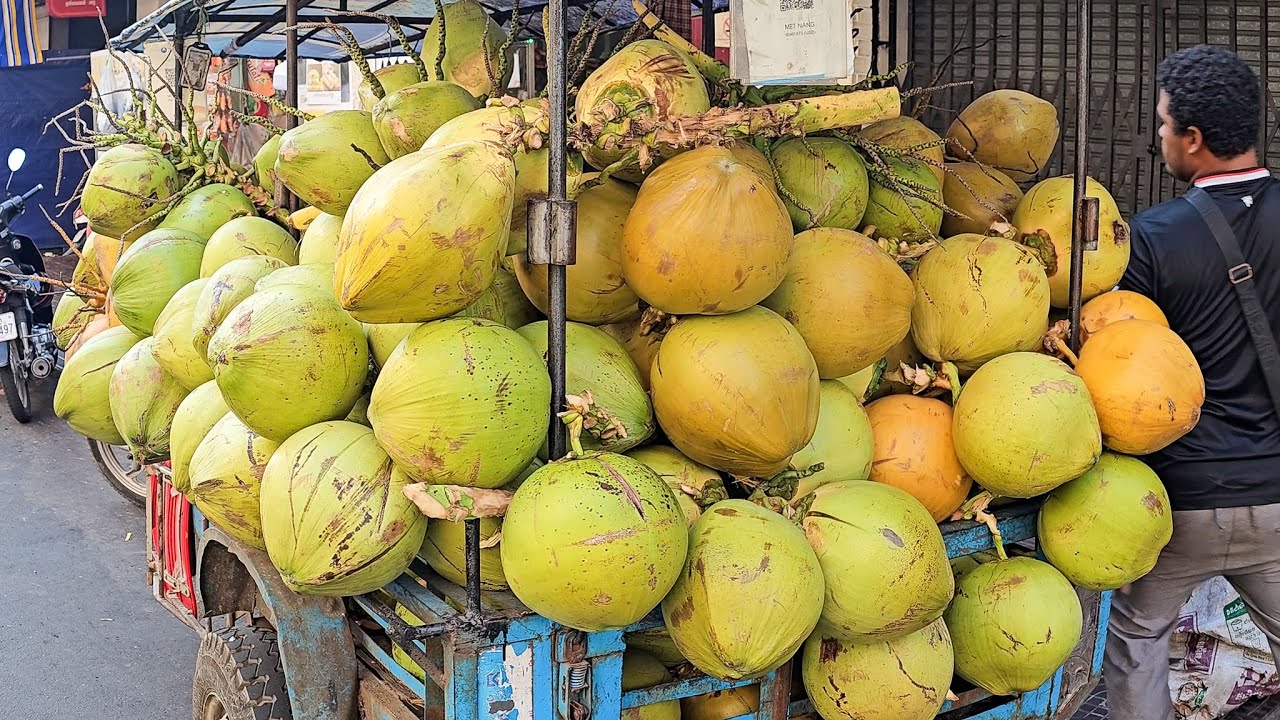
(794, 347)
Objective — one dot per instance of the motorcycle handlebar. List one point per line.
(27, 195)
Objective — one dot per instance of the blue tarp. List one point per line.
(224, 23)
(29, 96)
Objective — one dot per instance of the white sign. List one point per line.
(777, 42)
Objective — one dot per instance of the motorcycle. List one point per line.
(27, 347)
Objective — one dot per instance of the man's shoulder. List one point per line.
(1169, 214)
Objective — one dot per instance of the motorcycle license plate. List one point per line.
(8, 327)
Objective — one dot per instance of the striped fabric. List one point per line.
(676, 13)
(21, 41)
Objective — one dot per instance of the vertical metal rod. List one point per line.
(1080, 231)
(473, 566)
(179, 46)
(557, 190)
(291, 76)
(709, 27)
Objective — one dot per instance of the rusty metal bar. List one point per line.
(1084, 231)
(559, 235)
(473, 568)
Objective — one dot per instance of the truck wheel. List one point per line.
(239, 677)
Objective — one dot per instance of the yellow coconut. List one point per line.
(847, 298)
(1010, 130)
(174, 348)
(985, 195)
(226, 478)
(83, 396)
(708, 235)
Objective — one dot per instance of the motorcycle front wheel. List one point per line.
(124, 473)
(16, 383)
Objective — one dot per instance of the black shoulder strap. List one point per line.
(1240, 275)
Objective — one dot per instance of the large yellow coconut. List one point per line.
(83, 396)
(596, 293)
(325, 161)
(708, 235)
(985, 195)
(738, 393)
(847, 298)
(423, 238)
(244, 236)
(1045, 217)
(174, 347)
(1010, 130)
(144, 399)
(226, 288)
(226, 478)
(648, 79)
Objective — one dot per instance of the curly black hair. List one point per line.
(1215, 90)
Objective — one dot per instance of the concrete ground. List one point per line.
(82, 636)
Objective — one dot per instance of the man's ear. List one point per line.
(1193, 140)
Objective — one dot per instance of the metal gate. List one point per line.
(1029, 45)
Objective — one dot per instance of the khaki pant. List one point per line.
(1241, 544)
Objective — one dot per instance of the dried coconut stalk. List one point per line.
(456, 503)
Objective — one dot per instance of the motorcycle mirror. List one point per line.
(17, 157)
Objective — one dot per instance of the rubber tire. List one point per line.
(240, 666)
(139, 499)
(9, 382)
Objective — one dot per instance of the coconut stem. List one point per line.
(976, 509)
(1066, 352)
(270, 101)
(1040, 242)
(440, 51)
(455, 503)
(505, 64)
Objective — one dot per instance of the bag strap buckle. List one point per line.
(1240, 273)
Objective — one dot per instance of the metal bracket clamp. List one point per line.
(1089, 217)
(553, 231)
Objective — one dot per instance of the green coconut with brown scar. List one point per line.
(324, 161)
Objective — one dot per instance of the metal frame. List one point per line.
(502, 661)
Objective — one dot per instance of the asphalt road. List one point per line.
(80, 634)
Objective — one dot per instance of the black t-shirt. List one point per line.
(1232, 456)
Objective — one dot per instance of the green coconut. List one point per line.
(125, 189)
(227, 287)
(277, 336)
(325, 161)
(225, 478)
(596, 292)
(385, 338)
(83, 395)
(335, 519)
(143, 401)
(978, 298)
(641, 670)
(70, 316)
(1009, 130)
(1044, 215)
(1107, 527)
(900, 212)
(462, 401)
(392, 78)
(246, 236)
(173, 347)
(264, 164)
(761, 561)
(424, 237)
(316, 276)
(728, 405)
(504, 303)
(883, 560)
(847, 297)
(984, 195)
(1013, 623)
(445, 549)
(903, 679)
(406, 118)
(87, 273)
(658, 643)
(907, 134)
(841, 442)
(828, 178)
(1024, 424)
(696, 486)
(154, 268)
(473, 45)
(646, 80)
(620, 416)
(593, 543)
(199, 411)
(208, 208)
(320, 240)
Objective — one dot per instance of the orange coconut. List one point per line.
(1145, 383)
(914, 452)
(1118, 305)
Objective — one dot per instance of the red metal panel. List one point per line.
(77, 8)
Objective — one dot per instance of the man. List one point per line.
(1223, 477)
